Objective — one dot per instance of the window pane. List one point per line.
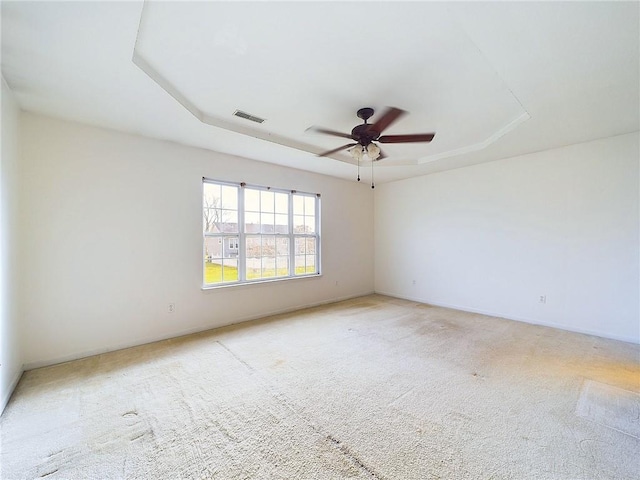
(298, 205)
(208, 220)
(212, 248)
(268, 267)
(252, 222)
(309, 206)
(268, 246)
(253, 268)
(213, 271)
(211, 195)
(229, 270)
(229, 197)
(253, 257)
(282, 246)
(266, 220)
(282, 265)
(251, 200)
(309, 224)
(311, 263)
(267, 202)
(282, 203)
(310, 244)
(300, 264)
(228, 221)
(282, 223)
(220, 260)
(253, 247)
(298, 224)
(300, 246)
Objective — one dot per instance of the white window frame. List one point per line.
(241, 236)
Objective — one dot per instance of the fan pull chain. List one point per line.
(372, 184)
(358, 169)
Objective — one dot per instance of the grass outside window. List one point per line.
(214, 273)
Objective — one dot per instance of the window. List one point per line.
(254, 233)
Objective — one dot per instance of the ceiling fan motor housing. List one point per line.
(363, 135)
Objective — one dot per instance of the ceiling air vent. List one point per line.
(248, 116)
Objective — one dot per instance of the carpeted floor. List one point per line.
(370, 388)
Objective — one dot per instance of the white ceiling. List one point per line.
(493, 79)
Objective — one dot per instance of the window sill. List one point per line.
(205, 288)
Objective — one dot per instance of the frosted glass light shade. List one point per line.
(373, 151)
(356, 152)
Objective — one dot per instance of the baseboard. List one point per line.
(530, 321)
(12, 387)
(182, 333)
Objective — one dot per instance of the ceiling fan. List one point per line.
(366, 134)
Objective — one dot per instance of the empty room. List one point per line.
(320, 240)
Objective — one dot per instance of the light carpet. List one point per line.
(370, 388)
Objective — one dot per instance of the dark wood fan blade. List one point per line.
(326, 131)
(336, 150)
(391, 115)
(418, 137)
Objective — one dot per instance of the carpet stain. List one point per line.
(399, 397)
(225, 432)
(50, 473)
(353, 458)
(235, 356)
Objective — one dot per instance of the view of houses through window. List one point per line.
(253, 233)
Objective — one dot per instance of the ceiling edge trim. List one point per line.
(480, 145)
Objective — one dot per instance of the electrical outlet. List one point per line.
(542, 299)
(172, 307)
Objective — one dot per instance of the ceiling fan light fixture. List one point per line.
(357, 152)
(373, 151)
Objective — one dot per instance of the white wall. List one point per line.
(10, 351)
(492, 238)
(112, 234)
